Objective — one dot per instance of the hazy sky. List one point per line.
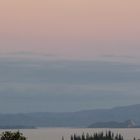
(67, 55)
(71, 28)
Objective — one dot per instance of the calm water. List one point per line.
(57, 133)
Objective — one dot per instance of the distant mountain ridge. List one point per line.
(72, 119)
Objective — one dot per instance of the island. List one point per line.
(113, 124)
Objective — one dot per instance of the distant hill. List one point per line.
(72, 119)
(113, 124)
(17, 127)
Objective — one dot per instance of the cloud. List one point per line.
(70, 72)
(54, 85)
(119, 56)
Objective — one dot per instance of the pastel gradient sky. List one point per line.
(69, 55)
(71, 28)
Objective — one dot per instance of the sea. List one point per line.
(58, 133)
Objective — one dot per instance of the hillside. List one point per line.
(72, 119)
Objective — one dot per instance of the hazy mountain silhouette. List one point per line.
(72, 119)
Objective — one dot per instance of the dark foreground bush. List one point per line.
(8, 135)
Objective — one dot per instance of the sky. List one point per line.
(68, 55)
(71, 28)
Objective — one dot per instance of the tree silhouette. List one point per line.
(98, 136)
(8, 135)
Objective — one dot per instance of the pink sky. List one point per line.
(71, 28)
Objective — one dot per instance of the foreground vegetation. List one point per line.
(98, 136)
(8, 135)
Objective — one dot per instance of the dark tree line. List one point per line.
(97, 136)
